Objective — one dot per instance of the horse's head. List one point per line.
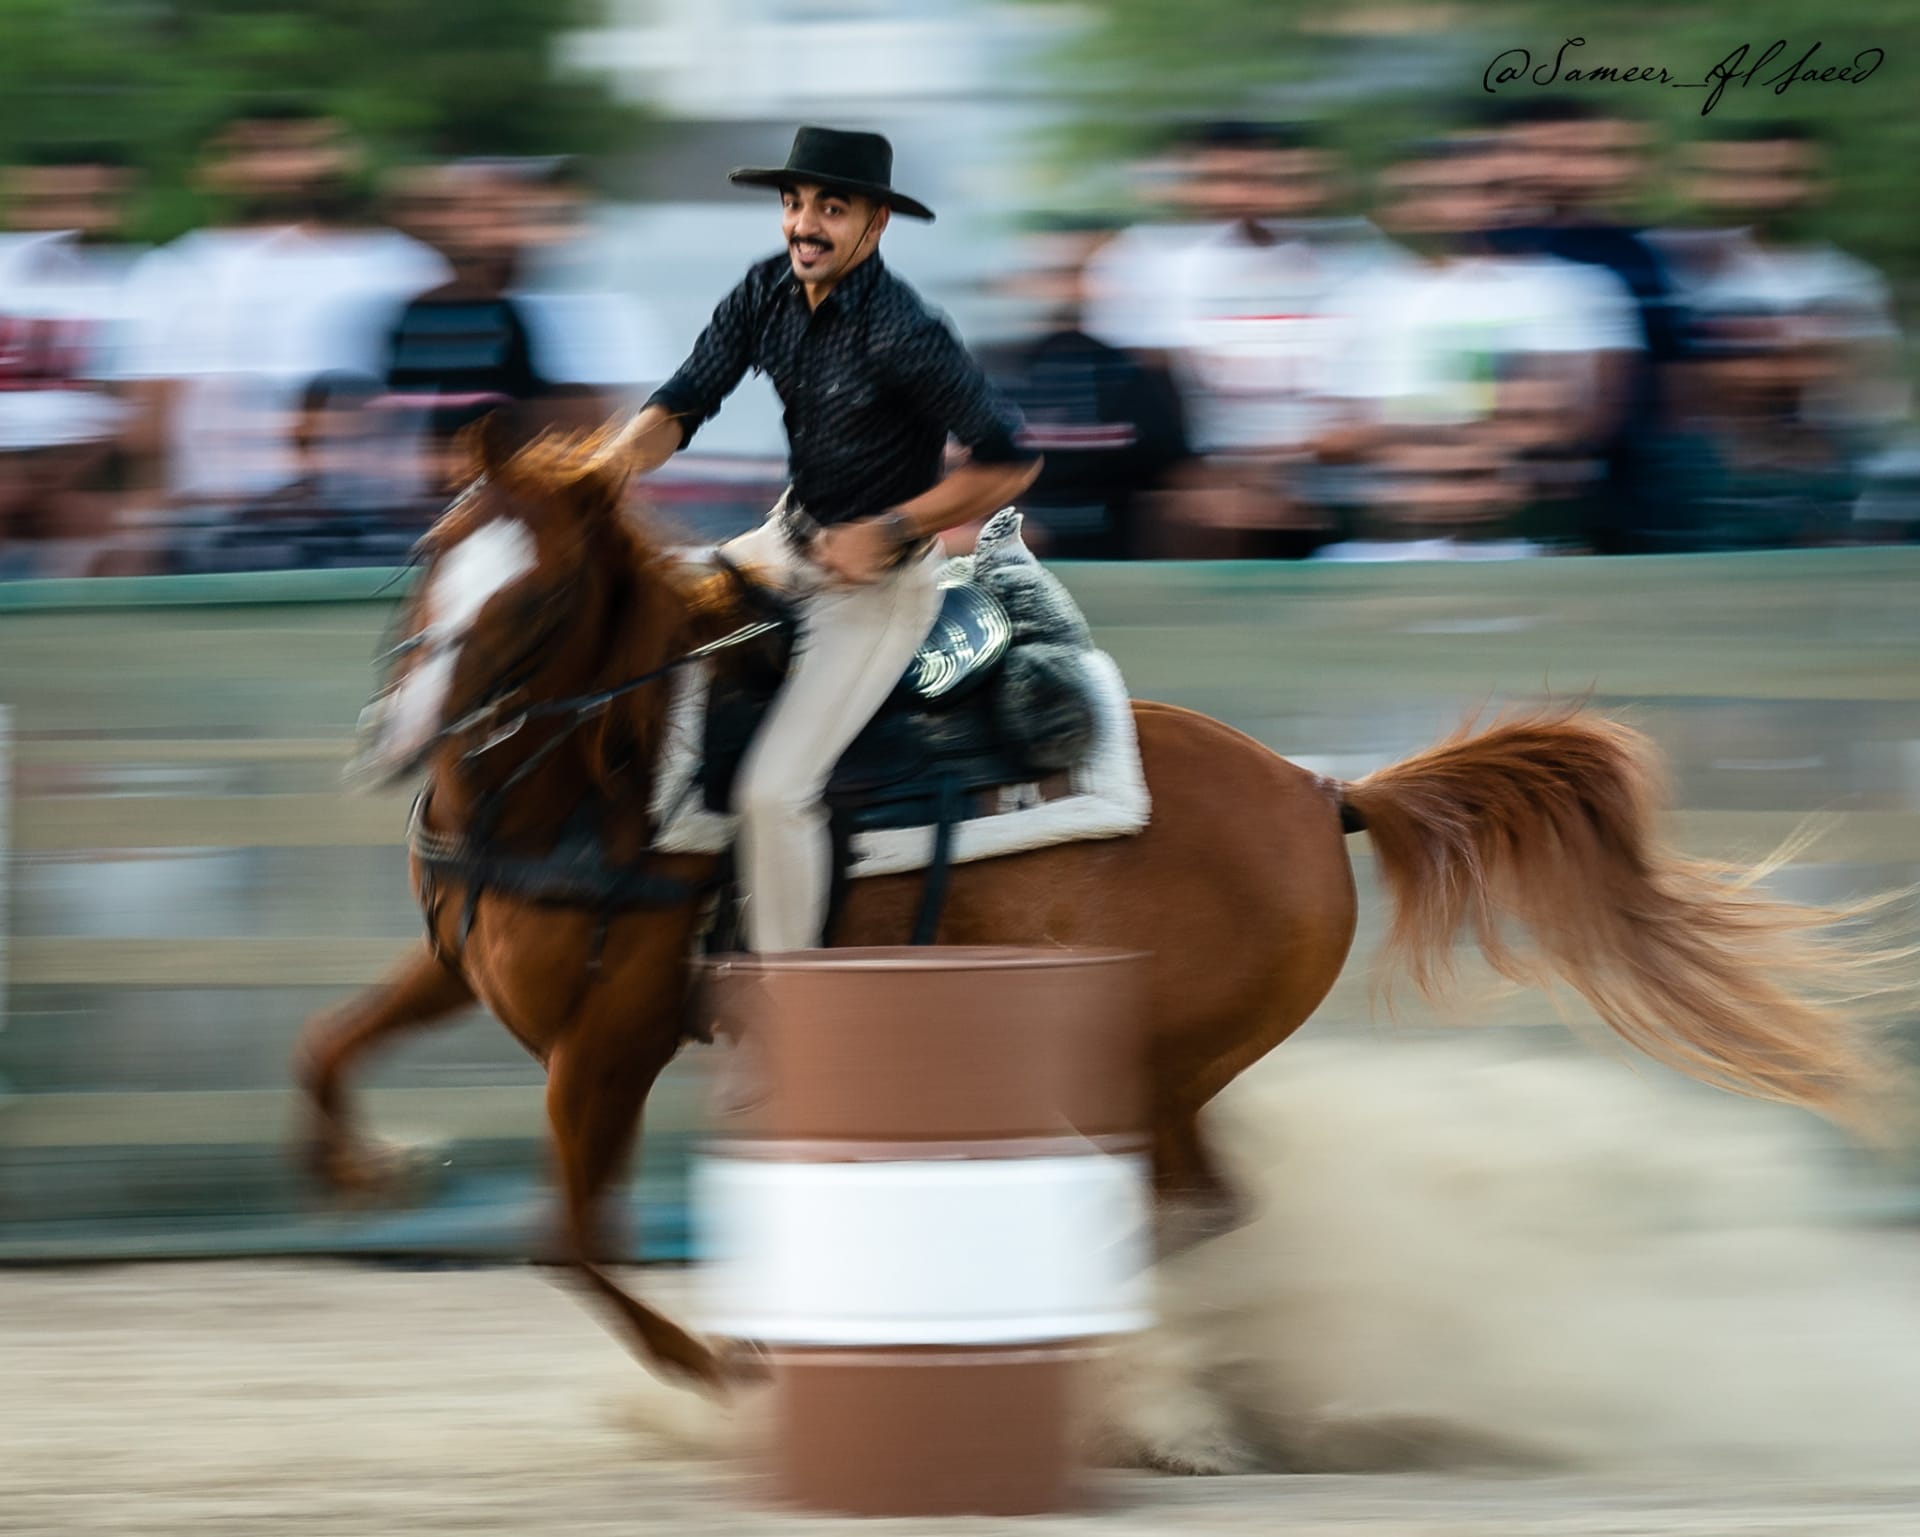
(518, 581)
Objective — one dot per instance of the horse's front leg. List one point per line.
(598, 1079)
(419, 991)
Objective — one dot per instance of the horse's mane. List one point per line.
(587, 466)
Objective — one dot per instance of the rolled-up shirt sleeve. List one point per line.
(943, 382)
(718, 362)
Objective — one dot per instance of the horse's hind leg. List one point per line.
(419, 991)
(1193, 1199)
(597, 1085)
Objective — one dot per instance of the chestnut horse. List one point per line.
(537, 585)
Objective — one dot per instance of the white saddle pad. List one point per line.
(1107, 799)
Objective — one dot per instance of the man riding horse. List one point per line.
(545, 621)
(874, 383)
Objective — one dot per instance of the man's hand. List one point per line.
(645, 443)
(858, 552)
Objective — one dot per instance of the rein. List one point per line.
(575, 874)
(584, 707)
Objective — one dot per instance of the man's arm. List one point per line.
(675, 411)
(940, 380)
(967, 493)
(653, 437)
(862, 550)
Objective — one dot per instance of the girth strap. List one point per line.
(574, 875)
(933, 899)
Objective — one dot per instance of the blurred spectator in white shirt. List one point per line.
(233, 322)
(1436, 339)
(1243, 291)
(1246, 301)
(65, 429)
(1513, 352)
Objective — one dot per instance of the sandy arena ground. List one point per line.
(1642, 1301)
(317, 1398)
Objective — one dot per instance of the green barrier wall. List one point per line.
(188, 880)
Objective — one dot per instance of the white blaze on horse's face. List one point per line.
(489, 560)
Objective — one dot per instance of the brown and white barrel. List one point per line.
(927, 1198)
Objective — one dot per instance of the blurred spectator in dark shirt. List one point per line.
(236, 319)
(1743, 464)
(1757, 190)
(1579, 165)
(486, 337)
(1109, 424)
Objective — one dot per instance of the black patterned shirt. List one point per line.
(873, 382)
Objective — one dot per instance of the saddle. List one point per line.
(936, 730)
(992, 699)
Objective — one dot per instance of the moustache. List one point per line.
(818, 245)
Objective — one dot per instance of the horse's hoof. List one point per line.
(368, 1171)
(1180, 1225)
(744, 1363)
(704, 1371)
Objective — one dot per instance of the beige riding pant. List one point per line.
(854, 644)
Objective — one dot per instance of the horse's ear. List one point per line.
(487, 444)
(599, 470)
(498, 438)
(603, 486)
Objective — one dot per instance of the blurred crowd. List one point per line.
(283, 388)
(1475, 354)
(1493, 361)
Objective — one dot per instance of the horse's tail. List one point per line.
(1550, 819)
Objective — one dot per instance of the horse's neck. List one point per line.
(612, 757)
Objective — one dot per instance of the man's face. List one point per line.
(1053, 276)
(279, 168)
(1754, 179)
(1442, 199)
(483, 219)
(1590, 163)
(1764, 368)
(43, 199)
(550, 216)
(828, 232)
(1228, 182)
(1297, 183)
(422, 201)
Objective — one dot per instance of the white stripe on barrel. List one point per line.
(974, 1251)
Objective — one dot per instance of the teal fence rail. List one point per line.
(188, 881)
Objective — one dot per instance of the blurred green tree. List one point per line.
(414, 78)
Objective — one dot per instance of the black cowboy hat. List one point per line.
(832, 157)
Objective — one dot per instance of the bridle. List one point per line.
(573, 710)
(573, 874)
(512, 678)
